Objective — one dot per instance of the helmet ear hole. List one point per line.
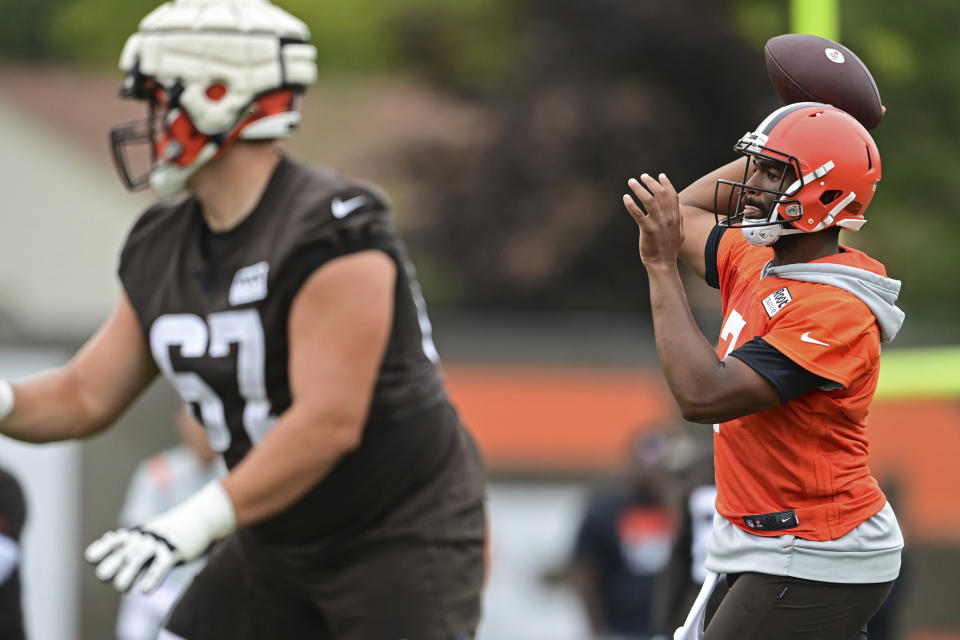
(829, 196)
(216, 91)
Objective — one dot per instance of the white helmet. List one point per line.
(216, 71)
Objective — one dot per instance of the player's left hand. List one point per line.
(146, 554)
(661, 229)
(124, 555)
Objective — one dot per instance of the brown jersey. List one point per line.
(13, 515)
(214, 309)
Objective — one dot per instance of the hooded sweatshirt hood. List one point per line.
(876, 291)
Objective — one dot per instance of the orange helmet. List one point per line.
(836, 166)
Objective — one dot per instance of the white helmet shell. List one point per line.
(247, 47)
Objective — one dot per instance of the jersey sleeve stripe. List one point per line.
(789, 378)
(710, 254)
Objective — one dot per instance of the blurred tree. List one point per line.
(470, 37)
(530, 217)
(457, 43)
(915, 56)
(94, 31)
(468, 46)
(583, 94)
(23, 29)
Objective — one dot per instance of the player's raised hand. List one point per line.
(658, 216)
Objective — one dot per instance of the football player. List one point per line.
(13, 515)
(277, 300)
(806, 538)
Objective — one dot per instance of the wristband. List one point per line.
(6, 399)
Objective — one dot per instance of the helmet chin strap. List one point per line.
(762, 236)
(766, 233)
(168, 179)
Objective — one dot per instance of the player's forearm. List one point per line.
(91, 391)
(301, 449)
(51, 407)
(698, 211)
(689, 362)
(702, 193)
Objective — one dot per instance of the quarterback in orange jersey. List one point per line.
(807, 541)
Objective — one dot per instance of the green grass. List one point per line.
(920, 373)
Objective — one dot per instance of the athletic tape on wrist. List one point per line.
(6, 399)
(192, 525)
(216, 505)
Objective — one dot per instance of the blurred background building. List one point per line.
(504, 131)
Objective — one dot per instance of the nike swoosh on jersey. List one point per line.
(806, 338)
(342, 208)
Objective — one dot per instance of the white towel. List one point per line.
(692, 628)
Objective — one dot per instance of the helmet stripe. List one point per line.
(771, 120)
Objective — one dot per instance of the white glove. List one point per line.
(148, 552)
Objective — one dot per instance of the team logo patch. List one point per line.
(776, 301)
(833, 55)
(249, 284)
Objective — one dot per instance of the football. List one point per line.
(806, 68)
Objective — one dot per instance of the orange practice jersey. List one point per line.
(810, 454)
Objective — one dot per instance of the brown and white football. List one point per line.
(806, 68)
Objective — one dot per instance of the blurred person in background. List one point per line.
(624, 541)
(887, 622)
(278, 301)
(13, 515)
(160, 483)
(790, 383)
(694, 492)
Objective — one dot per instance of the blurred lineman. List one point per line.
(159, 483)
(13, 515)
(623, 542)
(807, 540)
(278, 301)
(684, 573)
